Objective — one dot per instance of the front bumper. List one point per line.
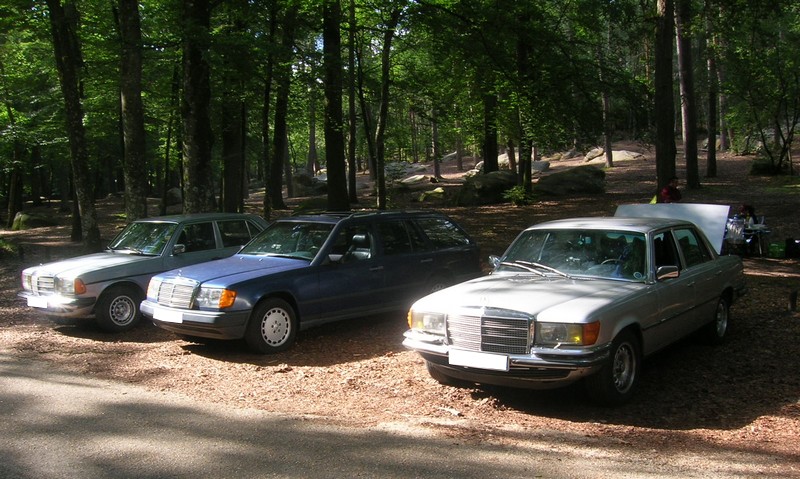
(60, 306)
(541, 369)
(203, 324)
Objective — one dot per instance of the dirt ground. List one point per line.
(726, 411)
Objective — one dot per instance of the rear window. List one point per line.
(443, 233)
(236, 232)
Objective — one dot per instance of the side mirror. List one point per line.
(667, 272)
(178, 249)
(494, 260)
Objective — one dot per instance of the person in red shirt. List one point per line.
(670, 193)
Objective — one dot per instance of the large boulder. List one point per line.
(174, 196)
(23, 221)
(486, 189)
(582, 179)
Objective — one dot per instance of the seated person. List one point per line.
(748, 213)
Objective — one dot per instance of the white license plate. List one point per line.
(474, 359)
(37, 302)
(167, 315)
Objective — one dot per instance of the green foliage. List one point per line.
(446, 54)
(518, 196)
(8, 250)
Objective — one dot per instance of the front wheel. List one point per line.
(715, 331)
(616, 381)
(272, 327)
(117, 310)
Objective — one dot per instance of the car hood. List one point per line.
(223, 272)
(90, 263)
(548, 298)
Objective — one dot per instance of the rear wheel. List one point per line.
(117, 310)
(616, 381)
(715, 331)
(272, 327)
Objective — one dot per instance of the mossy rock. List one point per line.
(582, 179)
(26, 221)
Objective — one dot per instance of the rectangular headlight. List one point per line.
(69, 286)
(570, 334)
(215, 298)
(429, 322)
(27, 283)
(153, 288)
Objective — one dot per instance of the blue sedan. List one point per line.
(305, 271)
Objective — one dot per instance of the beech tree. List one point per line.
(66, 44)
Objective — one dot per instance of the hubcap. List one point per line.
(722, 319)
(275, 326)
(121, 310)
(624, 367)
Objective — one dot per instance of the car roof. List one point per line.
(335, 217)
(635, 224)
(183, 218)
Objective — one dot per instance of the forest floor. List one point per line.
(700, 411)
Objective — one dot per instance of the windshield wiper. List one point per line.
(129, 251)
(535, 267)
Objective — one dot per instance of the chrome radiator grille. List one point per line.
(496, 331)
(176, 295)
(43, 285)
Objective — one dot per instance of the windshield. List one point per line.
(586, 253)
(143, 238)
(290, 238)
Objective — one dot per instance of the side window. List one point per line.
(235, 232)
(354, 243)
(664, 251)
(198, 237)
(693, 249)
(399, 237)
(443, 233)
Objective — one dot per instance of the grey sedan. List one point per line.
(575, 299)
(110, 285)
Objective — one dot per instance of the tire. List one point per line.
(272, 327)
(715, 331)
(616, 381)
(117, 310)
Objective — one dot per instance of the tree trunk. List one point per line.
(352, 164)
(688, 98)
(435, 146)
(489, 147)
(64, 25)
(663, 97)
(283, 78)
(713, 91)
(16, 182)
(232, 158)
(313, 158)
(606, 101)
(380, 132)
(367, 120)
(266, 152)
(135, 154)
(338, 199)
(198, 194)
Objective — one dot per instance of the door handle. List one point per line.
(376, 268)
(426, 260)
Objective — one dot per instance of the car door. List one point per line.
(702, 274)
(199, 244)
(350, 282)
(407, 259)
(674, 297)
